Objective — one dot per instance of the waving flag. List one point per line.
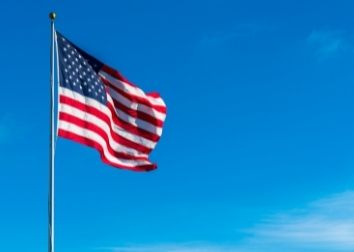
(99, 108)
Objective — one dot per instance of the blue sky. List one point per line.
(258, 147)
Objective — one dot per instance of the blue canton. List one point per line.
(79, 71)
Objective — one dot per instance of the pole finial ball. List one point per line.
(52, 16)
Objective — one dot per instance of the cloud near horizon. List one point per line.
(325, 225)
(181, 247)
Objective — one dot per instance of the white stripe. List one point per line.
(97, 138)
(136, 106)
(120, 131)
(101, 124)
(129, 89)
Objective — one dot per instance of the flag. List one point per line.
(100, 108)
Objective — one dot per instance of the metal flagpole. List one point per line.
(52, 16)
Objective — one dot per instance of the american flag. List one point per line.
(99, 108)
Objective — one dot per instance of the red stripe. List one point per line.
(90, 126)
(116, 120)
(99, 148)
(138, 114)
(134, 98)
(154, 95)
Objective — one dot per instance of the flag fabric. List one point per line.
(100, 108)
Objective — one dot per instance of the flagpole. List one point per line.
(52, 16)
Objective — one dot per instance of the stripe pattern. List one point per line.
(100, 108)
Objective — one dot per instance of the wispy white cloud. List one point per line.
(325, 225)
(327, 43)
(245, 30)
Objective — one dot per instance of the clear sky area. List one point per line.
(257, 153)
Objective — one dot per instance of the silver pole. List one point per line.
(51, 140)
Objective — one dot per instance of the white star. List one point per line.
(65, 59)
(89, 90)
